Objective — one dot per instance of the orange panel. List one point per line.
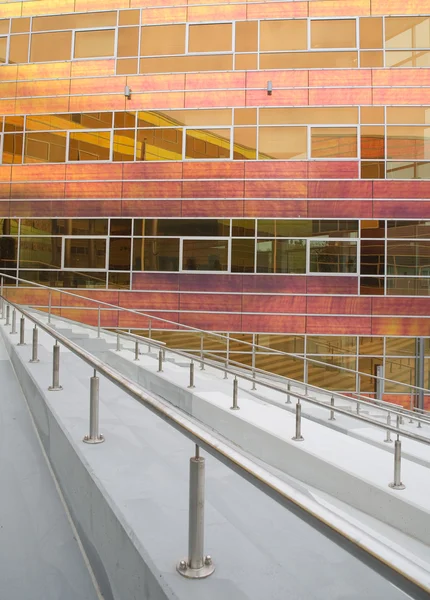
(144, 3)
(31, 208)
(323, 284)
(11, 10)
(279, 79)
(401, 189)
(26, 89)
(280, 10)
(44, 71)
(220, 98)
(290, 284)
(47, 7)
(276, 170)
(334, 8)
(202, 81)
(275, 208)
(340, 96)
(337, 209)
(211, 302)
(134, 320)
(401, 306)
(213, 170)
(400, 77)
(102, 189)
(212, 208)
(215, 189)
(93, 172)
(37, 190)
(91, 68)
(345, 325)
(152, 16)
(400, 326)
(147, 301)
(9, 73)
(221, 12)
(275, 189)
(156, 100)
(8, 90)
(274, 304)
(340, 77)
(151, 208)
(340, 189)
(331, 305)
(214, 322)
(397, 7)
(273, 324)
(155, 83)
(333, 170)
(98, 85)
(401, 95)
(152, 189)
(93, 5)
(152, 170)
(4, 190)
(42, 105)
(7, 107)
(280, 98)
(27, 173)
(5, 173)
(87, 208)
(98, 103)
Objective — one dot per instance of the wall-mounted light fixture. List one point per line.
(127, 92)
(269, 88)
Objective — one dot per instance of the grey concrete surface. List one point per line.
(129, 498)
(39, 556)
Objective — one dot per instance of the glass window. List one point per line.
(44, 122)
(42, 226)
(208, 143)
(407, 32)
(162, 40)
(85, 226)
(372, 170)
(155, 254)
(20, 25)
(124, 120)
(330, 228)
(89, 145)
(308, 116)
(182, 227)
(408, 229)
(93, 44)
(371, 346)
(12, 148)
(282, 142)
(119, 281)
(8, 252)
(331, 344)
(242, 256)
(128, 41)
(408, 258)
(400, 347)
(284, 228)
(45, 147)
(123, 144)
(407, 58)
(408, 170)
(81, 253)
(372, 257)
(330, 256)
(187, 64)
(66, 279)
(334, 142)
(281, 256)
(159, 144)
(8, 226)
(205, 255)
(246, 36)
(245, 116)
(408, 142)
(333, 33)
(120, 226)
(99, 120)
(169, 118)
(371, 58)
(3, 49)
(243, 228)
(45, 46)
(371, 35)
(309, 60)
(215, 37)
(18, 50)
(40, 253)
(403, 115)
(372, 115)
(129, 17)
(127, 66)
(372, 142)
(283, 35)
(4, 26)
(119, 254)
(246, 62)
(75, 21)
(245, 143)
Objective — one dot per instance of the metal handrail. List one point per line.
(199, 566)
(180, 327)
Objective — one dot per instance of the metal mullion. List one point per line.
(258, 43)
(383, 42)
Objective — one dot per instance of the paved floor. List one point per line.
(40, 558)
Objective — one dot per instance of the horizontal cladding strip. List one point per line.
(211, 199)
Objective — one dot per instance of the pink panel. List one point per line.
(210, 283)
(152, 83)
(275, 189)
(344, 325)
(220, 12)
(4, 190)
(400, 77)
(401, 209)
(211, 321)
(152, 189)
(280, 79)
(211, 302)
(212, 208)
(5, 173)
(273, 324)
(152, 101)
(324, 284)
(101, 189)
(96, 102)
(287, 284)
(201, 81)
(295, 97)
(156, 281)
(401, 326)
(404, 96)
(332, 305)
(401, 306)
(93, 172)
(274, 304)
(340, 96)
(216, 189)
(277, 10)
(214, 170)
(337, 209)
(340, 189)
(37, 190)
(27, 173)
(275, 208)
(152, 170)
(276, 170)
(149, 300)
(401, 189)
(87, 208)
(151, 208)
(333, 169)
(340, 78)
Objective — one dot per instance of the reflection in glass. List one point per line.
(328, 376)
(408, 170)
(119, 281)
(408, 258)
(120, 226)
(45, 147)
(84, 253)
(328, 256)
(408, 229)
(334, 142)
(372, 170)
(333, 33)
(281, 256)
(156, 254)
(282, 142)
(215, 37)
(182, 227)
(89, 145)
(407, 32)
(66, 279)
(45, 46)
(407, 58)
(243, 228)
(242, 256)
(205, 255)
(208, 143)
(245, 143)
(127, 66)
(408, 142)
(12, 148)
(75, 21)
(372, 142)
(372, 259)
(162, 40)
(123, 144)
(309, 116)
(159, 144)
(8, 251)
(331, 344)
(283, 35)
(119, 254)
(40, 253)
(93, 44)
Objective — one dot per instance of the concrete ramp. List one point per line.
(40, 557)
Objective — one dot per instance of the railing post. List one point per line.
(197, 566)
(379, 382)
(13, 330)
(98, 321)
(55, 387)
(149, 334)
(22, 332)
(288, 401)
(118, 343)
(94, 436)
(202, 353)
(136, 350)
(191, 386)
(332, 417)
(49, 306)
(253, 362)
(358, 408)
(235, 406)
(388, 436)
(7, 314)
(397, 483)
(34, 358)
(298, 436)
(228, 350)
(160, 361)
(305, 376)
(225, 371)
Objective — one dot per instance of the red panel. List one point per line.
(333, 169)
(156, 281)
(401, 209)
(102, 189)
(276, 170)
(343, 325)
(28, 173)
(296, 97)
(212, 81)
(86, 208)
(274, 304)
(37, 190)
(153, 170)
(214, 189)
(151, 208)
(214, 170)
(211, 321)
(152, 189)
(275, 208)
(4, 190)
(401, 306)
(35, 208)
(212, 208)
(279, 79)
(275, 189)
(340, 208)
(91, 172)
(147, 301)
(287, 284)
(142, 321)
(340, 96)
(340, 77)
(340, 189)
(273, 324)
(210, 283)
(211, 302)
(401, 189)
(220, 99)
(156, 83)
(332, 284)
(400, 326)
(331, 305)
(401, 95)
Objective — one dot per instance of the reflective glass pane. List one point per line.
(372, 115)
(408, 170)
(118, 281)
(282, 142)
(281, 256)
(371, 58)
(408, 258)
(333, 33)
(400, 346)
(407, 58)
(8, 252)
(372, 259)
(245, 143)
(242, 256)
(408, 142)
(4, 26)
(162, 39)
(8, 226)
(124, 120)
(372, 346)
(92, 44)
(20, 25)
(205, 255)
(119, 254)
(75, 21)
(333, 256)
(3, 49)
(156, 254)
(215, 37)
(12, 148)
(336, 228)
(371, 35)
(208, 143)
(331, 344)
(18, 50)
(169, 118)
(308, 116)
(84, 253)
(372, 142)
(183, 227)
(159, 144)
(40, 253)
(329, 376)
(42, 227)
(284, 228)
(86, 226)
(403, 115)
(45, 122)
(309, 60)
(66, 279)
(334, 142)
(187, 64)
(45, 147)
(408, 229)
(127, 66)
(407, 32)
(372, 169)
(90, 145)
(45, 46)
(283, 35)
(120, 226)
(123, 144)
(246, 62)
(99, 120)
(408, 286)
(372, 229)
(128, 41)
(246, 36)
(245, 116)
(243, 228)
(129, 17)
